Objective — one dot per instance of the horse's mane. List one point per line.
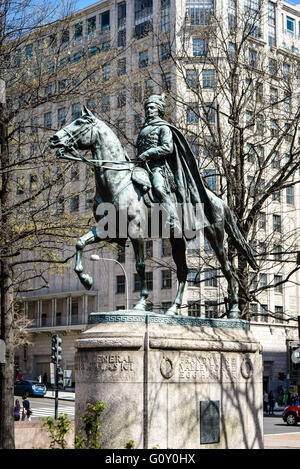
(99, 122)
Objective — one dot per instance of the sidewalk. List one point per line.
(282, 441)
(62, 395)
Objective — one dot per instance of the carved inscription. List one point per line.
(229, 368)
(111, 362)
(199, 367)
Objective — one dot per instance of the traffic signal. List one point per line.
(53, 348)
(60, 377)
(56, 349)
(294, 358)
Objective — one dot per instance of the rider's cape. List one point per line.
(190, 189)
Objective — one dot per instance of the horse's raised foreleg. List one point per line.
(215, 235)
(89, 238)
(179, 256)
(138, 246)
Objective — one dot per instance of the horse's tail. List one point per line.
(237, 238)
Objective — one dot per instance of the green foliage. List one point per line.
(91, 425)
(129, 444)
(58, 430)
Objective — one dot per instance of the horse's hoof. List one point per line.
(141, 305)
(172, 311)
(86, 281)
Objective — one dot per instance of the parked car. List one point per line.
(30, 388)
(291, 414)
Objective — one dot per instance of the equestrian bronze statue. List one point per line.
(165, 173)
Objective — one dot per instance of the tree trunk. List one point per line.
(6, 299)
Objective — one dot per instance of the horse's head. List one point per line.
(78, 134)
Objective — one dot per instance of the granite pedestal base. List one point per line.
(171, 382)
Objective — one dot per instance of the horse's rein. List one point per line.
(82, 158)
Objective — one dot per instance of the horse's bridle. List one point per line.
(70, 148)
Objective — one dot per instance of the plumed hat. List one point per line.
(159, 100)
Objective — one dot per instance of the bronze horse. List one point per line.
(112, 168)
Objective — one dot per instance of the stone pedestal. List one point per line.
(171, 381)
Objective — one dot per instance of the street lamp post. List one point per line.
(96, 258)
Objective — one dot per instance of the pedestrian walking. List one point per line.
(45, 379)
(271, 403)
(26, 412)
(266, 402)
(19, 376)
(17, 410)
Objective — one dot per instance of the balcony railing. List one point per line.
(75, 321)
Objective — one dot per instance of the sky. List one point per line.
(79, 4)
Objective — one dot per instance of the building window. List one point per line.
(149, 248)
(121, 98)
(148, 278)
(208, 78)
(211, 309)
(290, 199)
(193, 278)
(252, 57)
(28, 51)
(198, 12)
(74, 203)
(264, 313)
(121, 67)
(271, 24)
(166, 279)
(76, 111)
(194, 309)
(254, 311)
(120, 284)
(165, 15)
(209, 112)
(58, 319)
(231, 14)
(252, 10)
(199, 47)
(263, 280)
(192, 113)
(210, 277)
(277, 223)
(105, 104)
(278, 279)
(89, 199)
(210, 178)
(104, 21)
(272, 66)
(277, 252)
(166, 249)
(48, 120)
(78, 32)
(122, 38)
(121, 15)
(106, 69)
(142, 17)
(166, 81)
(276, 196)
(165, 51)
(74, 312)
(143, 59)
(192, 78)
(91, 26)
(193, 141)
(279, 314)
(61, 116)
(121, 254)
(290, 25)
